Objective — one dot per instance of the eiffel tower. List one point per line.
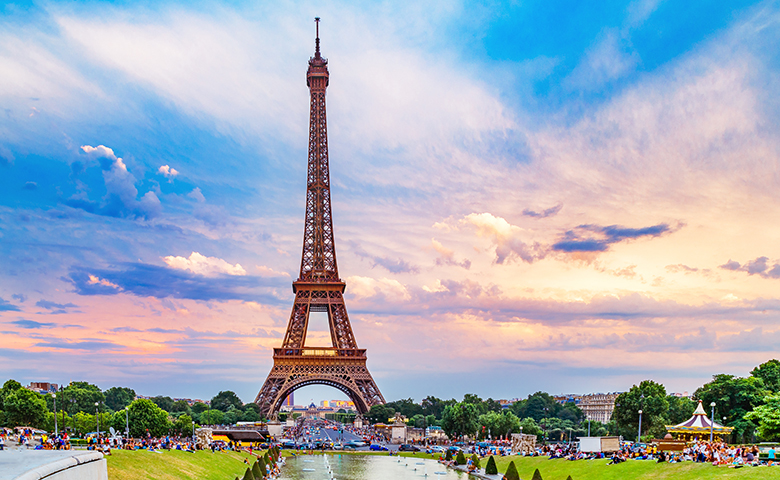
(318, 288)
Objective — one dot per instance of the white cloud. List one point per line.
(167, 172)
(93, 280)
(202, 265)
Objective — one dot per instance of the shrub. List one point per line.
(248, 475)
(537, 475)
(490, 468)
(256, 470)
(448, 457)
(569, 478)
(460, 459)
(511, 472)
(475, 460)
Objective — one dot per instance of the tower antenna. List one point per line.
(317, 41)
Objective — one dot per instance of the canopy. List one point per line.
(699, 424)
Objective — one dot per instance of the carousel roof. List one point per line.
(698, 422)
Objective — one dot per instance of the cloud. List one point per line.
(7, 307)
(19, 296)
(202, 265)
(681, 268)
(146, 280)
(759, 266)
(581, 238)
(550, 212)
(168, 172)
(121, 199)
(392, 265)
(54, 306)
(31, 324)
(506, 238)
(608, 59)
(93, 345)
(447, 256)
(30, 186)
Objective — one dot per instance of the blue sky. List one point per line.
(529, 187)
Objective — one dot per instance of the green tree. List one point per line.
(223, 401)
(460, 419)
(8, 387)
(680, 409)
(537, 475)
(212, 417)
(117, 398)
(648, 396)
(769, 373)
(406, 407)
(733, 397)
(24, 408)
(166, 403)
(511, 472)
(252, 413)
(83, 423)
(570, 411)
(80, 397)
(183, 425)
(460, 459)
(490, 468)
(498, 424)
(417, 420)
(379, 413)
(199, 407)
(537, 406)
(767, 417)
(435, 406)
(147, 417)
(63, 421)
(530, 427)
(180, 406)
(475, 460)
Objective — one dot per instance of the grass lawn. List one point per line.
(175, 465)
(559, 469)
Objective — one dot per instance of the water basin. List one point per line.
(365, 467)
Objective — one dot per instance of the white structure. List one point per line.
(53, 465)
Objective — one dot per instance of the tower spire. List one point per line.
(317, 41)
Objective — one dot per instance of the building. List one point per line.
(289, 401)
(43, 387)
(567, 398)
(598, 407)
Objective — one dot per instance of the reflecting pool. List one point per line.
(365, 467)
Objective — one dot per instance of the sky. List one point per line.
(559, 196)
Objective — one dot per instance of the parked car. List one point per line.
(408, 448)
(454, 449)
(355, 444)
(437, 448)
(288, 444)
(377, 447)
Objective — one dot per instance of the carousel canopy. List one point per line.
(699, 422)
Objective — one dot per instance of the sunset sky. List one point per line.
(560, 196)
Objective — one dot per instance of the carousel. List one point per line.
(698, 427)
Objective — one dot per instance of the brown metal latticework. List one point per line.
(318, 288)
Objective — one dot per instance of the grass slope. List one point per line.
(175, 465)
(559, 469)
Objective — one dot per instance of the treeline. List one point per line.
(750, 405)
(81, 405)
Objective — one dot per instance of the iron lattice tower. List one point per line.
(318, 287)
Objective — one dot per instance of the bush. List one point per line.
(475, 460)
(256, 470)
(248, 475)
(537, 475)
(569, 478)
(460, 459)
(448, 457)
(490, 468)
(511, 472)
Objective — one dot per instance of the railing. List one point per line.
(320, 352)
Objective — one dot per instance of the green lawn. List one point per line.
(175, 465)
(559, 469)
(204, 465)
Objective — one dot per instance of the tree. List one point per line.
(183, 425)
(571, 411)
(475, 460)
(146, 416)
(117, 398)
(460, 459)
(80, 397)
(733, 397)
(537, 406)
(511, 472)
(8, 387)
(180, 406)
(498, 424)
(435, 406)
(680, 409)
(199, 407)
(379, 413)
(83, 422)
(530, 427)
(223, 400)
(212, 417)
(406, 407)
(648, 396)
(24, 408)
(63, 421)
(166, 403)
(490, 468)
(767, 417)
(493, 405)
(537, 475)
(460, 419)
(418, 420)
(769, 373)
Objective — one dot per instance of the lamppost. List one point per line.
(639, 435)
(589, 427)
(712, 421)
(97, 419)
(724, 421)
(127, 421)
(54, 397)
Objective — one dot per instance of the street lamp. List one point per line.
(97, 419)
(639, 435)
(589, 427)
(712, 421)
(54, 397)
(127, 422)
